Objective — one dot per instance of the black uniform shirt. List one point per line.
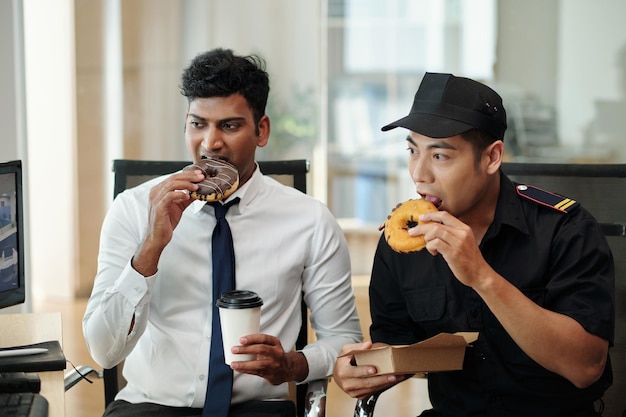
(561, 261)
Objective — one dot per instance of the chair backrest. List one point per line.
(601, 189)
(129, 173)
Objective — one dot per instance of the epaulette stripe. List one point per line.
(546, 198)
(565, 204)
(544, 203)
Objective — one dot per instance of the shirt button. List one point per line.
(201, 377)
(483, 357)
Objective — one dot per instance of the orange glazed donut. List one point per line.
(221, 179)
(403, 217)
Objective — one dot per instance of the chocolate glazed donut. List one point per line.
(221, 179)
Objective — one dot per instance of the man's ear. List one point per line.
(494, 154)
(264, 131)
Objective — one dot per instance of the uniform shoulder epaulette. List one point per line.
(546, 198)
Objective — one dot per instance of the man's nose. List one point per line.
(213, 139)
(419, 171)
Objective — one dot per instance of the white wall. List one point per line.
(50, 94)
(565, 53)
(9, 42)
(286, 32)
(12, 113)
(589, 71)
(47, 71)
(527, 35)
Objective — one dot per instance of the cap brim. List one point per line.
(430, 125)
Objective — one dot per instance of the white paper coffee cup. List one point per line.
(240, 315)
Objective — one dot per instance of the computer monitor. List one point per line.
(12, 276)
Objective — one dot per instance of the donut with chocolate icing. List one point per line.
(403, 217)
(221, 179)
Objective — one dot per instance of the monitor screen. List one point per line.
(12, 282)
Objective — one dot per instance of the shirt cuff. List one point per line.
(319, 362)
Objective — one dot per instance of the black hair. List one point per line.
(221, 73)
(480, 140)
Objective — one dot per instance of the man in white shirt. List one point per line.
(152, 297)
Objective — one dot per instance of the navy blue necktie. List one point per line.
(220, 384)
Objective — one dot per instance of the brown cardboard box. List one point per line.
(443, 352)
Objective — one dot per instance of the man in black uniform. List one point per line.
(528, 270)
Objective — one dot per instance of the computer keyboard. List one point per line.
(23, 404)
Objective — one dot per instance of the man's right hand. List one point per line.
(168, 200)
(361, 381)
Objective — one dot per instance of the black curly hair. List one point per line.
(221, 73)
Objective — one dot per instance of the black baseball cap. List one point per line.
(446, 106)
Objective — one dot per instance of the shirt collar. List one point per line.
(509, 208)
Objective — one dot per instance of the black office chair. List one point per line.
(310, 398)
(601, 189)
(129, 173)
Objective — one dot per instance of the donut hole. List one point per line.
(411, 224)
(211, 172)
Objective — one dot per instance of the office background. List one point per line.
(87, 81)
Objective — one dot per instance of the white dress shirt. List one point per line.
(285, 242)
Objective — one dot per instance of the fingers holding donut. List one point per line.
(403, 217)
(177, 187)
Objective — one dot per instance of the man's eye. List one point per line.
(195, 124)
(411, 150)
(230, 126)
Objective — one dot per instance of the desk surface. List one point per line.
(24, 329)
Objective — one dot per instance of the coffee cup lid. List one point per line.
(239, 299)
